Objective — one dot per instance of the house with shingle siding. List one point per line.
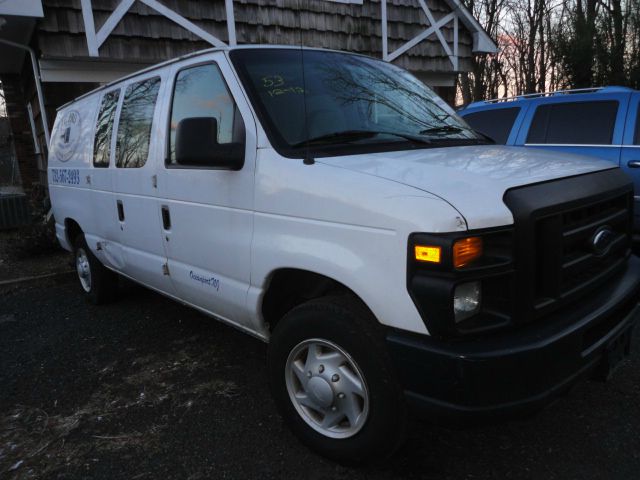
(80, 44)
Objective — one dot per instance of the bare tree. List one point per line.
(554, 44)
(486, 78)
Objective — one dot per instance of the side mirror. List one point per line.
(197, 145)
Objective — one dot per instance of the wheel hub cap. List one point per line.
(327, 388)
(320, 392)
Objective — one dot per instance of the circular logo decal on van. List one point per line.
(68, 135)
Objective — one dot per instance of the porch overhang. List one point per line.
(17, 21)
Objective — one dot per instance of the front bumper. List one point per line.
(516, 372)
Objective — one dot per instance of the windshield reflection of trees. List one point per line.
(134, 129)
(356, 82)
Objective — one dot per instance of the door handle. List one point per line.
(633, 164)
(120, 211)
(166, 217)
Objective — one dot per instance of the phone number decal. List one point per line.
(66, 176)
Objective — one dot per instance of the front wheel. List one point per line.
(98, 282)
(333, 382)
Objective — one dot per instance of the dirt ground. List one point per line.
(25, 253)
(145, 388)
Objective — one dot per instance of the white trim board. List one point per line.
(96, 39)
(482, 43)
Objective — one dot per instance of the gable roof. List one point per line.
(144, 35)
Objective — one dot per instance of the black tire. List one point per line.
(103, 283)
(346, 322)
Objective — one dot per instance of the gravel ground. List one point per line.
(145, 388)
(26, 252)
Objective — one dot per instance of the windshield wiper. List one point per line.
(355, 135)
(441, 129)
(454, 129)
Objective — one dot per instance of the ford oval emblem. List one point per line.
(602, 240)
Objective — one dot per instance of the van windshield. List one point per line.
(334, 103)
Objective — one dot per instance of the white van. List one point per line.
(334, 206)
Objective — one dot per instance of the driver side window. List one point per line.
(201, 92)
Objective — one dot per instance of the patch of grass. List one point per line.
(29, 435)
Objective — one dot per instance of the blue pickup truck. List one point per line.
(599, 122)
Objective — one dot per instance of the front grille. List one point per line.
(568, 263)
(556, 261)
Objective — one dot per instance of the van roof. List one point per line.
(533, 96)
(190, 55)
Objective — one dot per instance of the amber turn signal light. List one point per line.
(466, 250)
(424, 253)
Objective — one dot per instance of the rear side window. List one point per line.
(134, 129)
(495, 123)
(576, 123)
(202, 92)
(104, 127)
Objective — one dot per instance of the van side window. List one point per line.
(575, 123)
(134, 129)
(104, 127)
(495, 123)
(202, 92)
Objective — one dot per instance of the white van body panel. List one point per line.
(70, 166)
(209, 243)
(139, 234)
(347, 226)
(104, 203)
(346, 217)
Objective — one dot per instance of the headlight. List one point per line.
(466, 300)
(462, 282)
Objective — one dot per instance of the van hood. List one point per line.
(472, 179)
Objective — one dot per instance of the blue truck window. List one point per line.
(636, 140)
(574, 123)
(495, 123)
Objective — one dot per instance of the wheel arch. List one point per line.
(72, 230)
(286, 288)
